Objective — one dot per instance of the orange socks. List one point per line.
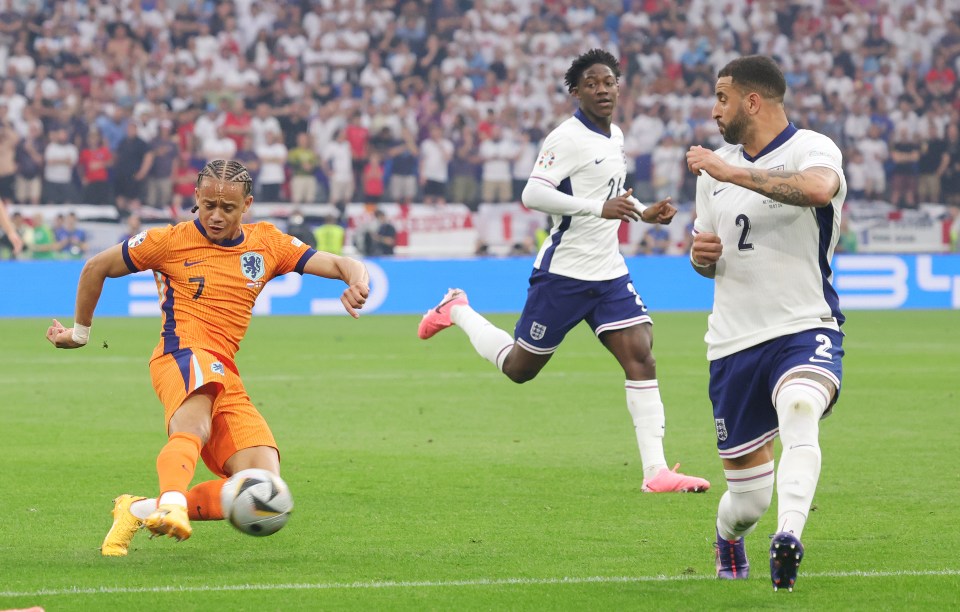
(177, 462)
(203, 501)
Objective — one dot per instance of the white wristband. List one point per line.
(81, 333)
(697, 264)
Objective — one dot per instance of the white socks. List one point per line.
(747, 497)
(643, 402)
(172, 497)
(492, 343)
(143, 508)
(800, 403)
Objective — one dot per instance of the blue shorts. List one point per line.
(556, 304)
(743, 385)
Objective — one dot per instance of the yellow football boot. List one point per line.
(125, 526)
(169, 520)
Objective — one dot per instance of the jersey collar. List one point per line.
(590, 124)
(228, 243)
(781, 138)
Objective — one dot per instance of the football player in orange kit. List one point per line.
(209, 272)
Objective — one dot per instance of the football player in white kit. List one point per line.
(768, 215)
(579, 273)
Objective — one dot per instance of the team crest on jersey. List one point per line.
(537, 331)
(721, 429)
(251, 264)
(217, 368)
(137, 240)
(546, 159)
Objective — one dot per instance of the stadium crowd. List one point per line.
(120, 102)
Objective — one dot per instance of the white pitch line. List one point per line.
(479, 582)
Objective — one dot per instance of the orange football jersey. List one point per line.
(207, 290)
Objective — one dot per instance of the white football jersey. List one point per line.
(774, 276)
(580, 160)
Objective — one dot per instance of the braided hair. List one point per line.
(228, 170)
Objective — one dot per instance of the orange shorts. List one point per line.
(236, 423)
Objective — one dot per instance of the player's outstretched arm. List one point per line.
(813, 187)
(103, 265)
(350, 271)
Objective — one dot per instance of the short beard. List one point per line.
(737, 128)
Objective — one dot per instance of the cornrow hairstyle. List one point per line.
(228, 170)
(756, 73)
(591, 57)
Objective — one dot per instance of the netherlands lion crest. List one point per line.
(721, 429)
(537, 331)
(216, 367)
(251, 264)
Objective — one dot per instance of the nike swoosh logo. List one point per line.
(719, 190)
(815, 360)
(598, 161)
(188, 263)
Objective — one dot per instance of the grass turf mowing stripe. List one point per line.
(406, 584)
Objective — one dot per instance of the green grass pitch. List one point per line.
(424, 479)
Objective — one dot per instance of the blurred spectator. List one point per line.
(30, 165)
(403, 169)
(219, 146)
(905, 155)
(435, 155)
(329, 236)
(261, 123)
(11, 241)
(378, 238)
(133, 227)
(358, 136)
(297, 227)
(522, 163)
(60, 157)
(94, 168)
(133, 160)
(164, 153)
(372, 179)
(933, 163)
(497, 180)
(21, 240)
(9, 139)
(951, 178)
(847, 242)
(45, 245)
(655, 241)
(857, 174)
(338, 166)
(184, 184)
(72, 239)
(303, 162)
(237, 122)
(669, 166)
(875, 153)
(465, 171)
(273, 159)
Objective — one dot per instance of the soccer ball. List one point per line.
(256, 502)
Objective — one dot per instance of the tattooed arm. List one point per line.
(811, 187)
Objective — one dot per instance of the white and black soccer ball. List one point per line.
(256, 502)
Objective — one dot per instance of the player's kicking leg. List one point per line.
(438, 317)
(125, 526)
(169, 520)
(490, 342)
